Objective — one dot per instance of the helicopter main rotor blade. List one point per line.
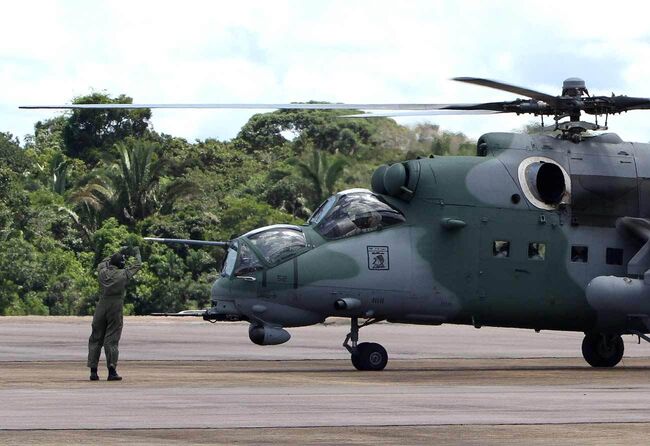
(551, 100)
(286, 106)
(395, 110)
(388, 114)
(601, 105)
(624, 103)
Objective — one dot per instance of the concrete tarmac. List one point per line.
(190, 382)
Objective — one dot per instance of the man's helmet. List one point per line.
(118, 259)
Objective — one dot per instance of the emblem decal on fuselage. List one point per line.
(378, 258)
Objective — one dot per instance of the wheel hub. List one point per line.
(375, 358)
(605, 350)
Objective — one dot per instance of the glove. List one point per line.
(136, 254)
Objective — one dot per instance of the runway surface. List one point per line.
(187, 381)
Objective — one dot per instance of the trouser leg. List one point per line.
(113, 335)
(96, 339)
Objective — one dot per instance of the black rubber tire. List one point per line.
(599, 353)
(370, 356)
(356, 362)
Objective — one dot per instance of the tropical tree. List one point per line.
(322, 171)
(59, 172)
(532, 128)
(131, 189)
(86, 132)
(323, 129)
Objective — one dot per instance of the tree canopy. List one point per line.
(89, 181)
(86, 131)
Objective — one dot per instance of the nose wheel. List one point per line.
(602, 350)
(367, 355)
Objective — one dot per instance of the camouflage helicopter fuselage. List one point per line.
(535, 232)
(554, 205)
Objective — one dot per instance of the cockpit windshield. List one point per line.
(230, 260)
(357, 213)
(240, 260)
(247, 262)
(276, 244)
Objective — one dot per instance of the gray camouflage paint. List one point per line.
(441, 274)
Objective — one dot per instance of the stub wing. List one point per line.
(186, 241)
(213, 314)
(184, 313)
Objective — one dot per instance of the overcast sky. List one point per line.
(339, 51)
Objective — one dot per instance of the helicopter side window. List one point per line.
(579, 254)
(614, 256)
(358, 213)
(536, 251)
(501, 249)
(247, 262)
(278, 244)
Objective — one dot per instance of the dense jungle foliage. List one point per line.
(89, 181)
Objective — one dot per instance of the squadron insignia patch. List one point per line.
(378, 258)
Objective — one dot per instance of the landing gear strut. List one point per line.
(367, 355)
(602, 350)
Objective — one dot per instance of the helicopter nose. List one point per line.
(220, 290)
(224, 307)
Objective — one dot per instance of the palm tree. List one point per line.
(59, 168)
(131, 188)
(323, 173)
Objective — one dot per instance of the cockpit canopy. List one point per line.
(345, 214)
(278, 242)
(262, 247)
(354, 212)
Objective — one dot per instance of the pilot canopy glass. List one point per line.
(357, 213)
(278, 244)
(322, 210)
(240, 260)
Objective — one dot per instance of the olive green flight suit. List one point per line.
(107, 321)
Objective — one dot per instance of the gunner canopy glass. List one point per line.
(277, 244)
(356, 213)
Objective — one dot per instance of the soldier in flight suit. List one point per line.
(113, 276)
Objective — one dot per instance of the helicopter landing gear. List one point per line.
(602, 350)
(367, 355)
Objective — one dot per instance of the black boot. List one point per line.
(93, 374)
(112, 375)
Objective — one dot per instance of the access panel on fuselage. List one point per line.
(604, 186)
(279, 282)
(447, 255)
(515, 252)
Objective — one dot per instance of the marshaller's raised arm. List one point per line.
(131, 270)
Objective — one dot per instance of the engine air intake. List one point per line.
(544, 182)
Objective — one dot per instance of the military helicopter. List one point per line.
(542, 232)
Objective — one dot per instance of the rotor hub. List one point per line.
(574, 86)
